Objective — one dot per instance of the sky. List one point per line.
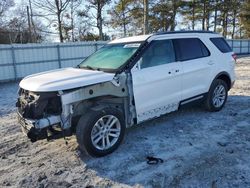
(55, 38)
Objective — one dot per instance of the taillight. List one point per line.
(234, 56)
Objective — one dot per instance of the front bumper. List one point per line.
(28, 128)
(37, 129)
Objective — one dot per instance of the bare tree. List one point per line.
(18, 28)
(5, 5)
(29, 24)
(98, 6)
(33, 26)
(72, 13)
(53, 8)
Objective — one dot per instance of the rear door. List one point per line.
(197, 64)
(157, 81)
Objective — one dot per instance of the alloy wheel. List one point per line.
(105, 132)
(219, 96)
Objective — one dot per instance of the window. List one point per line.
(221, 44)
(158, 53)
(190, 48)
(110, 57)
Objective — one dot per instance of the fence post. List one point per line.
(96, 47)
(233, 45)
(248, 46)
(14, 61)
(240, 46)
(59, 56)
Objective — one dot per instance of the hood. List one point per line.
(63, 79)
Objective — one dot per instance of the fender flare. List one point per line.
(223, 73)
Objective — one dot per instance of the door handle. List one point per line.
(173, 71)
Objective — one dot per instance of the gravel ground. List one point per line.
(199, 149)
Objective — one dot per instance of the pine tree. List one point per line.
(121, 15)
(189, 13)
(162, 15)
(98, 6)
(245, 17)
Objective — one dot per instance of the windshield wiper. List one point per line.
(87, 67)
(91, 68)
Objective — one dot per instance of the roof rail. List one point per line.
(191, 31)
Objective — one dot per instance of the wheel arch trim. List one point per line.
(225, 75)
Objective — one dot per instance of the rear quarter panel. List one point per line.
(224, 62)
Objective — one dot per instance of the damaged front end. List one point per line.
(55, 114)
(39, 114)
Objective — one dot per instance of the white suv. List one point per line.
(128, 81)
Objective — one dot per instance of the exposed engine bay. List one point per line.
(34, 108)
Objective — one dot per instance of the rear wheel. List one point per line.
(100, 132)
(217, 96)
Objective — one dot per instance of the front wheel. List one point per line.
(217, 96)
(100, 132)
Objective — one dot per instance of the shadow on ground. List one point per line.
(198, 148)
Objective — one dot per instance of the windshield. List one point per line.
(110, 57)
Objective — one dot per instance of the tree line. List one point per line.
(86, 20)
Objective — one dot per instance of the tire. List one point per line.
(94, 127)
(217, 96)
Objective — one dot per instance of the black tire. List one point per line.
(209, 104)
(86, 124)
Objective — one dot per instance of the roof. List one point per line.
(192, 31)
(141, 38)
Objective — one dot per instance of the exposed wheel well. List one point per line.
(225, 78)
(95, 104)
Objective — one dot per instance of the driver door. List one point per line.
(156, 81)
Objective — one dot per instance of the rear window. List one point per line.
(190, 48)
(221, 44)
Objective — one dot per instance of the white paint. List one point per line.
(63, 79)
(156, 91)
(160, 89)
(197, 76)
